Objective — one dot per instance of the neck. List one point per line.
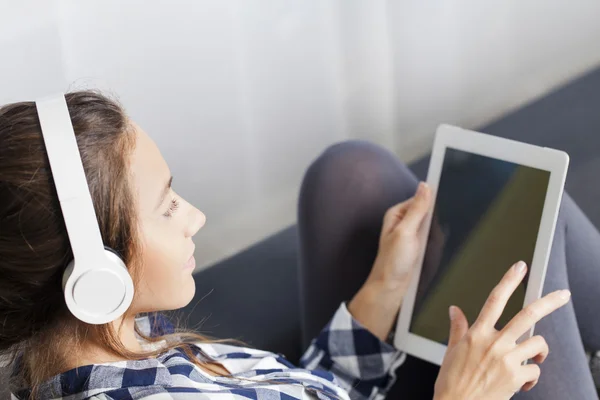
(127, 334)
(93, 351)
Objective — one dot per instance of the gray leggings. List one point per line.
(343, 197)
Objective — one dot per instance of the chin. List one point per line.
(187, 292)
(178, 295)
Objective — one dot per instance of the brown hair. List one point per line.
(34, 246)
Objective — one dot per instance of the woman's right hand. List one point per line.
(484, 363)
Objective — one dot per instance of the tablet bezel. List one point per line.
(554, 161)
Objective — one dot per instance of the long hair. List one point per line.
(36, 325)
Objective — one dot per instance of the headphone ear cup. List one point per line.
(71, 265)
(101, 294)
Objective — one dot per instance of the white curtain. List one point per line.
(241, 95)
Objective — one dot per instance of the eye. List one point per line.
(173, 206)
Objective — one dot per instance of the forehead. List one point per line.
(149, 170)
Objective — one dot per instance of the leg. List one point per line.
(583, 268)
(566, 374)
(343, 198)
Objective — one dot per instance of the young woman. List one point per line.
(141, 355)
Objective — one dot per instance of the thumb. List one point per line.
(458, 326)
(415, 214)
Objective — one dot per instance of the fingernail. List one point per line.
(452, 312)
(420, 188)
(520, 267)
(565, 294)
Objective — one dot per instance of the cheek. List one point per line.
(162, 251)
(164, 285)
(165, 288)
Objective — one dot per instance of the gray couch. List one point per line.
(254, 294)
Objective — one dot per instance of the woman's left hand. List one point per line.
(377, 303)
(400, 243)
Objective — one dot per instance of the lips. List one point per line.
(190, 264)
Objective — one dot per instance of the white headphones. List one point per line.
(97, 285)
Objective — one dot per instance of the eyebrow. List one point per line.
(165, 192)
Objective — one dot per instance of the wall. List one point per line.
(467, 62)
(241, 95)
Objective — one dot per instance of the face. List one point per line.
(167, 225)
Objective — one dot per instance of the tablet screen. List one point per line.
(486, 217)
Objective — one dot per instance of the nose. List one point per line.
(197, 221)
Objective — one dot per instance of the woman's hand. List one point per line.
(483, 363)
(377, 303)
(400, 243)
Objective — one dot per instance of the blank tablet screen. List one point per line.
(486, 217)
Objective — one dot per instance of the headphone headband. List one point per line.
(70, 181)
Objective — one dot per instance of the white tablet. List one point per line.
(496, 202)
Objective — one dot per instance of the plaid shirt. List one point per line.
(344, 361)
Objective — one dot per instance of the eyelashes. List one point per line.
(173, 206)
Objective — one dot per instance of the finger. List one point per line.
(496, 301)
(539, 358)
(528, 386)
(529, 375)
(458, 326)
(534, 348)
(534, 312)
(394, 215)
(417, 210)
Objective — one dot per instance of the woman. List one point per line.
(141, 355)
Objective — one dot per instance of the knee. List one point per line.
(354, 154)
(347, 159)
(358, 160)
(353, 146)
(568, 207)
(569, 212)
